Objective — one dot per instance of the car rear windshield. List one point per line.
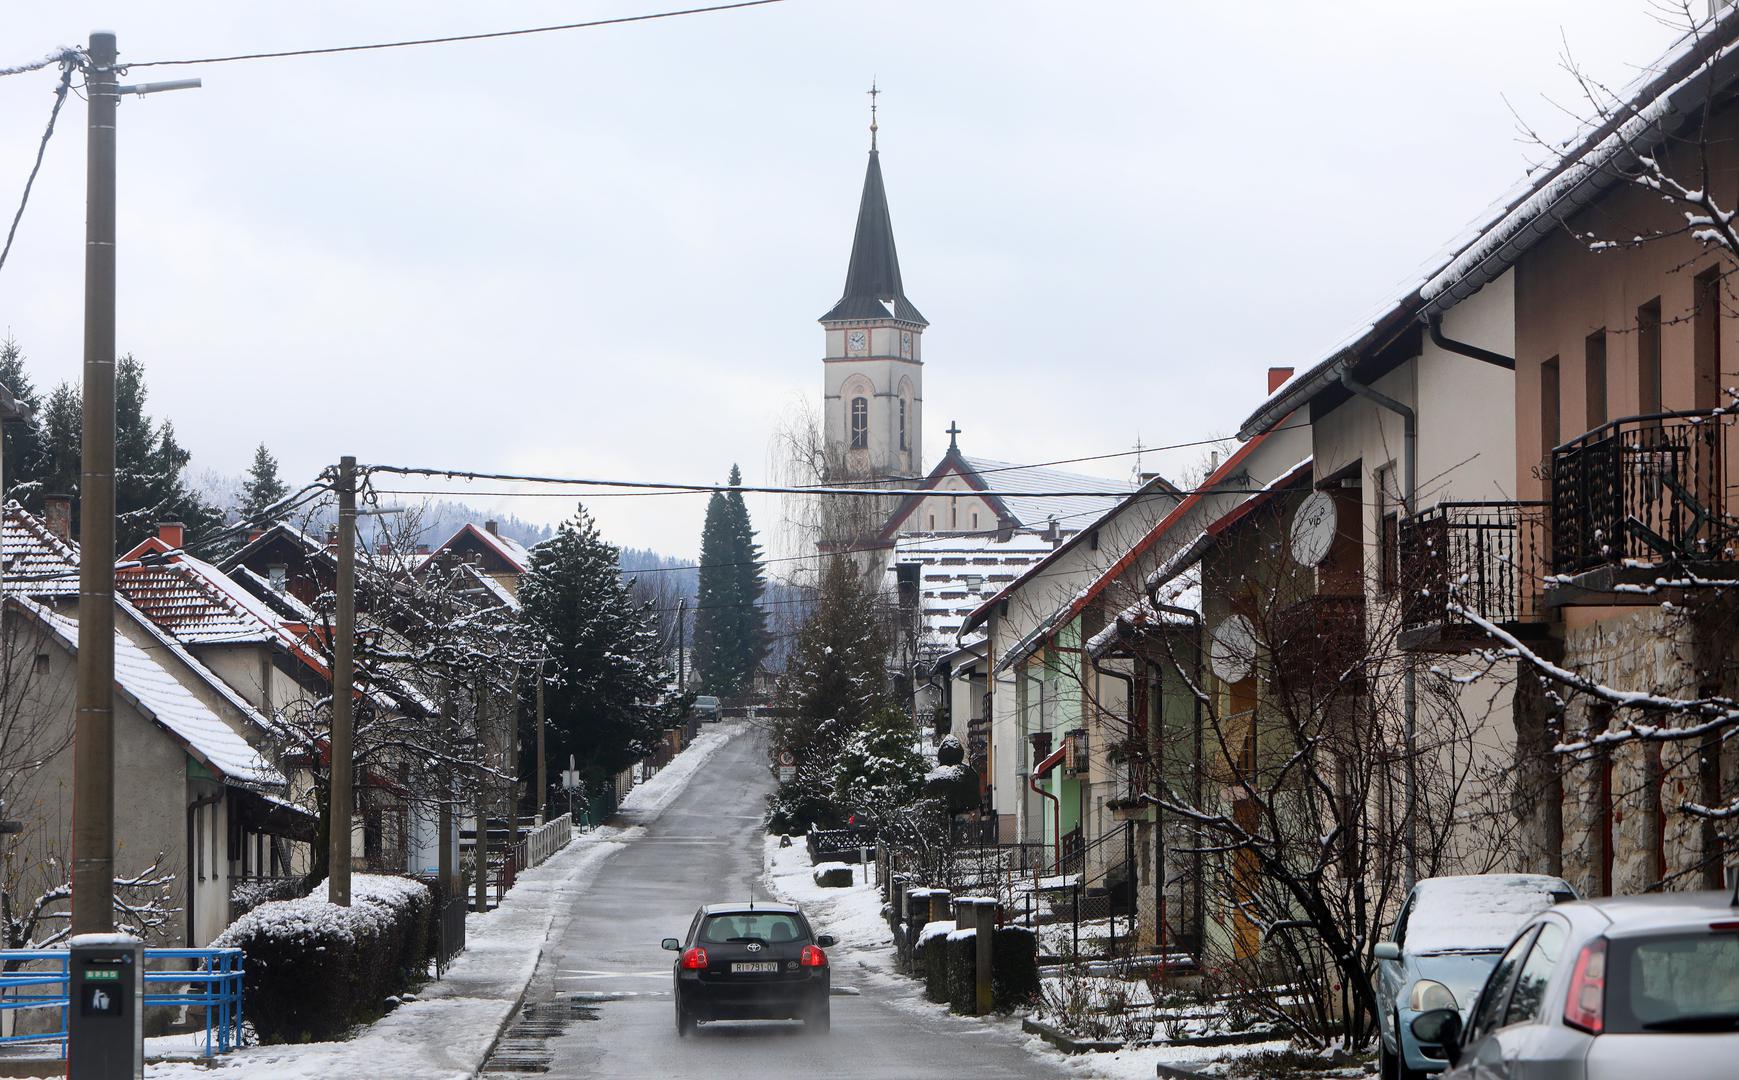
(768, 927)
(1678, 982)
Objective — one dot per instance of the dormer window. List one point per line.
(860, 423)
(278, 576)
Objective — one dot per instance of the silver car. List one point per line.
(1622, 987)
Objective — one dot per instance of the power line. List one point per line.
(455, 38)
(68, 60)
(58, 56)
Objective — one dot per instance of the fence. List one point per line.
(213, 984)
(449, 931)
(547, 839)
(1487, 553)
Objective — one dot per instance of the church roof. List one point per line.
(1072, 513)
(872, 282)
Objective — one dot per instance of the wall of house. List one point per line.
(152, 791)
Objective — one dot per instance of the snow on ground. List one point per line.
(655, 794)
(447, 1032)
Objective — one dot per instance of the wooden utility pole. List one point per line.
(542, 768)
(480, 849)
(93, 770)
(681, 644)
(342, 799)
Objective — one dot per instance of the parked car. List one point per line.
(1446, 940)
(755, 961)
(1622, 987)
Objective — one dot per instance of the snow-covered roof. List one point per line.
(33, 560)
(1134, 619)
(507, 547)
(1072, 513)
(181, 600)
(148, 684)
(957, 573)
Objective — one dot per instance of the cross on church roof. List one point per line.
(873, 92)
(953, 432)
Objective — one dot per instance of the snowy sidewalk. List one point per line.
(448, 1031)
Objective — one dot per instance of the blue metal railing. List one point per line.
(212, 982)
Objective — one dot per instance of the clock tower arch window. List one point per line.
(903, 444)
(859, 423)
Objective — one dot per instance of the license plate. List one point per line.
(763, 967)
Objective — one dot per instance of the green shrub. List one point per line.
(314, 970)
(962, 970)
(931, 959)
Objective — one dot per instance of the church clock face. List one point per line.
(906, 344)
(857, 343)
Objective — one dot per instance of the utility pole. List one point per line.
(444, 824)
(682, 644)
(342, 798)
(542, 768)
(93, 771)
(105, 973)
(480, 848)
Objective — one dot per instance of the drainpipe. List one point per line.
(1198, 913)
(1409, 695)
(1449, 344)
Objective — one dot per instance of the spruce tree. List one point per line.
(262, 488)
(63, 426)
(22, 448)
(835, 682)
(606, 669)
(730, 627)
(150, 467)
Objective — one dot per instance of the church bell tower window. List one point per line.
(859, 423)
(903, 424)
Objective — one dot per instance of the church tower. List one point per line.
(873, 408)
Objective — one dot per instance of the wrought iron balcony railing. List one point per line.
(1644, 489)
(1485, 557)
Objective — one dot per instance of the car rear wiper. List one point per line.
(1700, 1022)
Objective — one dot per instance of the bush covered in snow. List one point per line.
(249, 893)
(314, 969)
(833, 875)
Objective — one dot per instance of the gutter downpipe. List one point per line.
(1056, 810)
(1409, 695)
(1197, 912)
(1448, 344)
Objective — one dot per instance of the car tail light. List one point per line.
(1586, 1006)
(694, 960)
(812, 957)
(1724, 927)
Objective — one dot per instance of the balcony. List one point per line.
(1484, 557)
(1638, 493)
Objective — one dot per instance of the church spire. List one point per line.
(872, 280)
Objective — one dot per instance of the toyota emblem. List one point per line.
(754, 946)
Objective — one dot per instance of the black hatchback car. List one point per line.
(753, 961)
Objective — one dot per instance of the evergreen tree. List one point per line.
(880, 770)
(834, 682)
(605, 674)
(22, 449)
(729, 626)
(262, 488)
(63, 426)
(150, 485)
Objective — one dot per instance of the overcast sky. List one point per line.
(603, 252)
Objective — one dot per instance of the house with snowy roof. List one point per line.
(201, 800)
(502, 559)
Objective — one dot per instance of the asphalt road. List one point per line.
(600, 1004)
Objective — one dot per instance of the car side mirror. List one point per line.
(670, 944)
(1442, 1027)
(826, 941)
(1386, 950)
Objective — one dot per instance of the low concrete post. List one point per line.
(984, 922)
(965, 914)
(939, 905)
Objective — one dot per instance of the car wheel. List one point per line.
(1398, 1061)
(685, 1022)
(819, 1019)
(1387, 1067)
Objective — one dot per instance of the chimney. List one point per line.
(57, 515)
(494, 527)
(172, 533)
(1277, 377)
(255, 534)
(332, 537)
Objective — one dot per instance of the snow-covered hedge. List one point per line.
(314, 969)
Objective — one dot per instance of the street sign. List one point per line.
(787, 759)
(787, 773)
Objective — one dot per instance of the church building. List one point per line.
(943, 553)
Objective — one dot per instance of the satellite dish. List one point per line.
(1313, 528)
(1233, 653)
